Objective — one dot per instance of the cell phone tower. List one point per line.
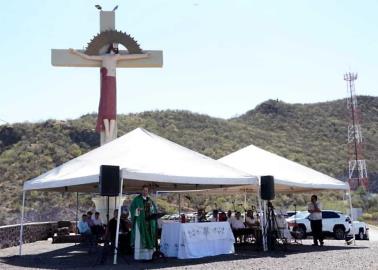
(356, 164)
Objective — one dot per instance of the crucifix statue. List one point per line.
(102, 51)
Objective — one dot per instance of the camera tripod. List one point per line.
(274, 236)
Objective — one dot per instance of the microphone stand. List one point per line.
(295, 224)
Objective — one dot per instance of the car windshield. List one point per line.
(300, 215)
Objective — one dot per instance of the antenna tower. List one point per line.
(356, 164)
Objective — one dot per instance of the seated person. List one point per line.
(96, 219)
(98, 226)
(83, 226)
(201, 215)
(214, 217)
(237, 222)
(229, 216)
(89, 219)
(250, 220)
(222, 216)
(86, 231)
(182, 218)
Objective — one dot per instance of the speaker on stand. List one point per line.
(267, 188)
(109, 186)
(109, 180)
(271, 230)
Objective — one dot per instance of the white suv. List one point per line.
(334, 223)
(361, 230)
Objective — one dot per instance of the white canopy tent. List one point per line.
(144, 158)
(289, 176)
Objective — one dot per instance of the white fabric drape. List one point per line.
(196, 240)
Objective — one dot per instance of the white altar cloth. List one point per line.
(196, 240)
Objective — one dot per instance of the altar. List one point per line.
(196, 240)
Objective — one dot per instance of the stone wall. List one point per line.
(10, 235)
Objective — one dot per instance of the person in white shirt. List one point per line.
(250, 221)
(237, 225)
(97, 225)
(314, 207)
(237, 222)
(97, 221)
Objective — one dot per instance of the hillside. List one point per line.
(315, 134)
(312, 134)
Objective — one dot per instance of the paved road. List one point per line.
(334, 255)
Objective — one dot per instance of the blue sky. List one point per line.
(221, 58)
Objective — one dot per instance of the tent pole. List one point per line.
(179, 206)
(77, 210)
(118, 222)
(22, 222)
(262, 217)
(77, 214)
(351, 215)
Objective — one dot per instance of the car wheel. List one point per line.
(361, 235)
(339, 233)
(299, 232)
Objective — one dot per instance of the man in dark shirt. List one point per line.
(112, 227)
(124, 235)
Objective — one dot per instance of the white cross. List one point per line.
(77, 58)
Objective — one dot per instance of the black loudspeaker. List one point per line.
(267, 188)
(109, 180)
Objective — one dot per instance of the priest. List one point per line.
(143, 235)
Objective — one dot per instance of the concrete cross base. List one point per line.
(101, 206)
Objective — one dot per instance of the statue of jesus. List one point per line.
(107, 111)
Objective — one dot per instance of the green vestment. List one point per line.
(147, 227)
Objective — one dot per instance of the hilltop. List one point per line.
(311, 134)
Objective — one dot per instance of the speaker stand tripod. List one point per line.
(273, 234)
